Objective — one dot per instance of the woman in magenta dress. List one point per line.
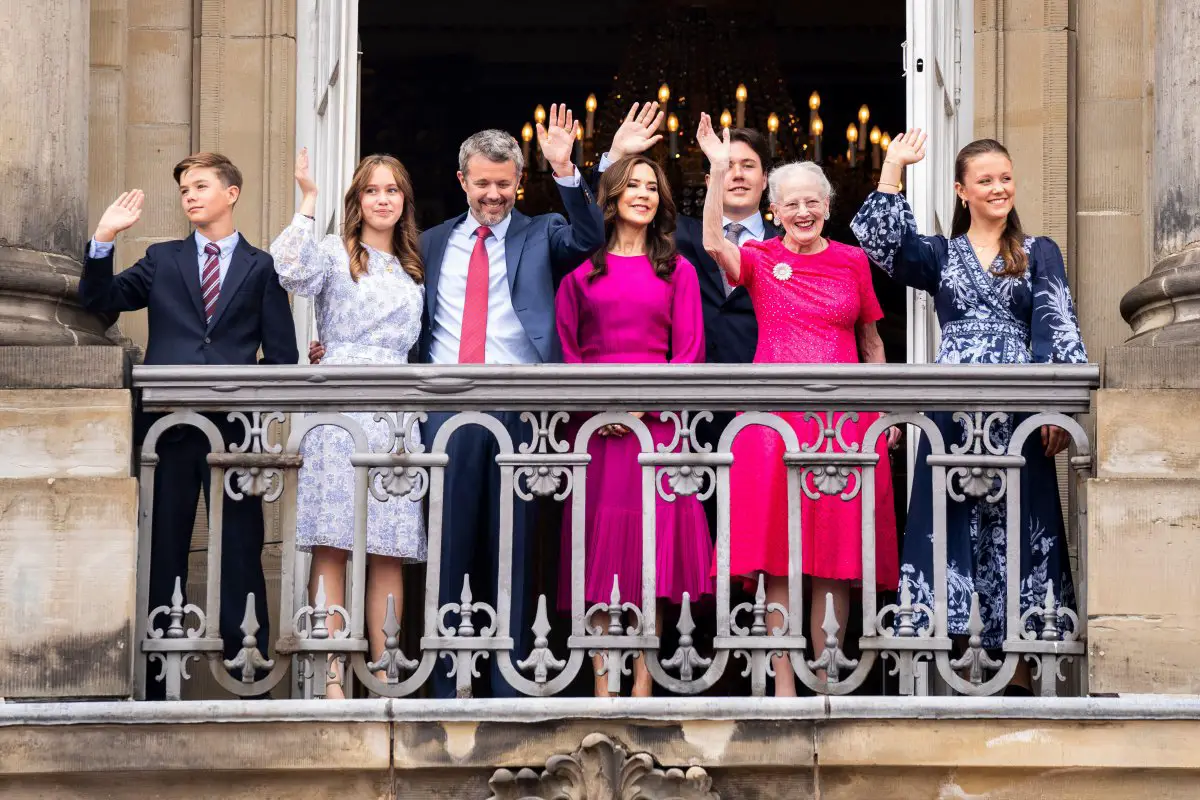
(815, 305)
(635, 302)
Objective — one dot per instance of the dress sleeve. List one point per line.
(1054, 328)
(887, 231)
(753, 256)
(298, 258)
(566, 318)
(687, 315)
(869, 309)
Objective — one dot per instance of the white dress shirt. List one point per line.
(227, 245)
(507, 342)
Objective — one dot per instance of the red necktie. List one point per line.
(210, 280)
(472, 345)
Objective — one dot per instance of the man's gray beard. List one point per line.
(483, 218)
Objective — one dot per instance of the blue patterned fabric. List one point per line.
(985, 319)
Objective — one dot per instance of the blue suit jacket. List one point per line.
(730, 329)
(538, 251)
(252, 309)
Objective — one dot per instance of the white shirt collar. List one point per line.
(227, 244)
(753, 223)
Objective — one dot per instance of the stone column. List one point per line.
(43, 169)
(1164, 309)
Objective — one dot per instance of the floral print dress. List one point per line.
(985, 319)
(375, 320)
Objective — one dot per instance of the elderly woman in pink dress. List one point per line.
(815, 305)
(637, 301)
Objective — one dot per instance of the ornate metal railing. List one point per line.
(544, 465)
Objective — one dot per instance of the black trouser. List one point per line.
(181, 474)
(471, 538)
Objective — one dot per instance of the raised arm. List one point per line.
(573, 241)
(716, 149)
(297, 257)
(100, 291)
(885, 226)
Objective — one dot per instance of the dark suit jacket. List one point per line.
(252, 310)
(730, 329)
(539, 251)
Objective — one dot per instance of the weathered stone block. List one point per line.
(1144, 654)
(67, 584)
(1115, 154)
(46, 433)
(1112, 52)
(1147, 434)
(1110, 256)
(1143, 547)
(41, 367)
(161, 60)
(1165, 367)
(160, 14)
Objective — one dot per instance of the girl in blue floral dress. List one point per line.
(1015, 310)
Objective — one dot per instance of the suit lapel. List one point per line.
(188, 262)
(439, 238)
(239, 267)
(514, 243)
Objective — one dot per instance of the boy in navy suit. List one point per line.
(211, 298)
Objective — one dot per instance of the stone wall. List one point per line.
(691, 749)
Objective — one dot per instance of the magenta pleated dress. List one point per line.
(808, 308)
(632, 316)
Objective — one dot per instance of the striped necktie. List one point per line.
(210, 279)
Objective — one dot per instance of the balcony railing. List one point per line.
(912, 636)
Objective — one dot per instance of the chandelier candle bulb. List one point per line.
(864, 115)
(590, 105)
(852, 140)
(664, 94)
(726, 119)
(814, 105)
(673, 137)
(876, 138)
(740, 95)
(817, 128)
(526, 138)
(579, 145)
(772, 130)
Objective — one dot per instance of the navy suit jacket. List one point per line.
(730, 329)
(252, 309)
(538, 252)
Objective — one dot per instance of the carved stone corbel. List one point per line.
(602, 770)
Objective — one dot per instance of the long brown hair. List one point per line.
(1012, 241)
(406, 243)
(660, 244)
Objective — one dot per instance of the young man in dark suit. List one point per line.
(212, 298)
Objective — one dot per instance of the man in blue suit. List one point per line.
(211, 298)
(490, 276)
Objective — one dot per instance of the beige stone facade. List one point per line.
(1068, 85)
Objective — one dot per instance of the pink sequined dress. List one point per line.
(632, 316)
(807, 308)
